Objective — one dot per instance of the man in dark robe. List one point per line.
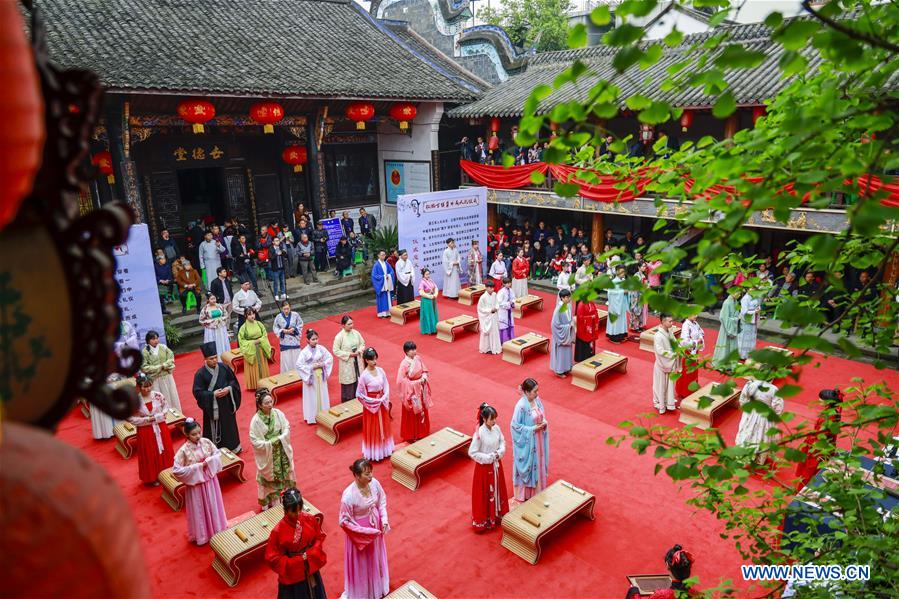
(218, 394)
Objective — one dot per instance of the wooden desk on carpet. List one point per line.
(234, 359)
(332, 421)
(526, 301)
(513, 349)
(248, 538)
(647, 336)
(523, 537)
(470, 295)
(647, 584)
(586, 374)
(410, 461)
(126, 433)
(446, 329)
(283, 384)
(173, 490)
(401, 312)
(691, 413)
(411, 590)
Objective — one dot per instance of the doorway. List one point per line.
(202, 193)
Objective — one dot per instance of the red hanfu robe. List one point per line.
(520, 268)
(415, 393)
(587, 330)
(806, 470)
(154, 442)
(283, 539)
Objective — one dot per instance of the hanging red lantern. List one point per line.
(360, 112)
(757, 113)
(295, 156)
(103, 162)
(267, 114)
(22, 139)
(494, 125)
(196, 112)
(686, 120)
(403, 112)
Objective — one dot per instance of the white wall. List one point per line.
(393, 144)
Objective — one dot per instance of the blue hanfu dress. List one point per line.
(619, 304)
(727, 333)
(530, 449)
(382, 281)
(749, 325)
(561, 356)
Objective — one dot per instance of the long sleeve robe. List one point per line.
(619, 303)
(489, 321)
(382, 278)
(315, 381)
(561, 356)
(284, 551)
(749, 325)
(451, 273)
(666, 362)
(475, 267)
(754, 426)
(530, 448)
(727, 333)
(219, 414)
(197, 465)
(159, 365)
(366, 573)
(505, 302)
(349, 368)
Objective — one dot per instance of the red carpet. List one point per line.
(638, 515)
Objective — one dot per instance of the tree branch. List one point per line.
(849, 31)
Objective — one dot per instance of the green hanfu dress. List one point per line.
(255, 357)
(727, 333)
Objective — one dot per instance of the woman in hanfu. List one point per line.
(197, 465)
(270, 437)
(214, 319)
(314, 367)
(616, 323)
(348, 347)
(288, 330)
(415, 394)
(374, 393)
(154, 443)
(825, 437)
(159, 365)
(252, 338)
(754, 426)
(489, 496)
(363, 517)
(530, 443)
(638, 308)
(427, 318)
(295, 551)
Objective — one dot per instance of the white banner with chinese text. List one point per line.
(139, 294)
(426, 220)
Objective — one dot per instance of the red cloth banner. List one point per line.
(600, 188)
(500, 177)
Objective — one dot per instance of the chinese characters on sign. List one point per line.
(139, 295)
(198, 153)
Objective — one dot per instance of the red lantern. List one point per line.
(267, 114)
(360, 112)
(295, 156)
(196, 112)
(22, 138)
(103, 162)
(686, 120)
(403, 112)
(494, 125)
(757, 113)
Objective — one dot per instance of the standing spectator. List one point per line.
(320, 243)
(367, 224)
(299, 214)
(392, 258)
(630, 244)
(538, 261)
(165, 281)
(609, 238)
(541, 232)
(210, 251)
(305, 252)
(343, 257)
(480, 151)
(189, 283)
(244, 260)
(466, 149)
(810, 287)
(168, 246)
(194, 237)
(346, 223)
(287, 242)
(304, 227)
(221, 289)
(277, 259)
(262, 252)
(243, 299)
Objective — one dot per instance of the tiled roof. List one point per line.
(293, 48)
(749, 86)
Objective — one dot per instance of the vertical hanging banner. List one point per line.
(426, 220)
(139, 294)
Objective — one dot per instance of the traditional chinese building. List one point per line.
(191, 86)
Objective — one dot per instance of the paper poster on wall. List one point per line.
(427, 220)
(139, 295)
(406, 177)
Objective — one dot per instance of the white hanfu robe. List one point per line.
(498, 270)
(754, 426)
(101, 424)
(666, 363)
(451, 269)
(749, 325)
(489, 320)
(289, 344)
(315, 382)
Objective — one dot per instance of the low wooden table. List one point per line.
(691, 413)
(647, 584)
(126, 433)
(333, 420)
(513, 349)
(446, 329)
(586, 374)
(410, 461)
(400, 312)
(523, 538)
(526, 301)
(411, 590)
(85, 408)
(283, 384)
(248, 538)
(234, 359)
(173, 490)
(469, 296)
(647, 336)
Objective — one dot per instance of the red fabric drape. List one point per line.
(871, 184)
(500, 177)
(601, 188)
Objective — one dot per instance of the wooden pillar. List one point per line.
(319, 188)
(126, 187)
(730, 126)
(491, 216)
(596, 233)
(890, 276)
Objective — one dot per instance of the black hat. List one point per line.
(208, 349)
